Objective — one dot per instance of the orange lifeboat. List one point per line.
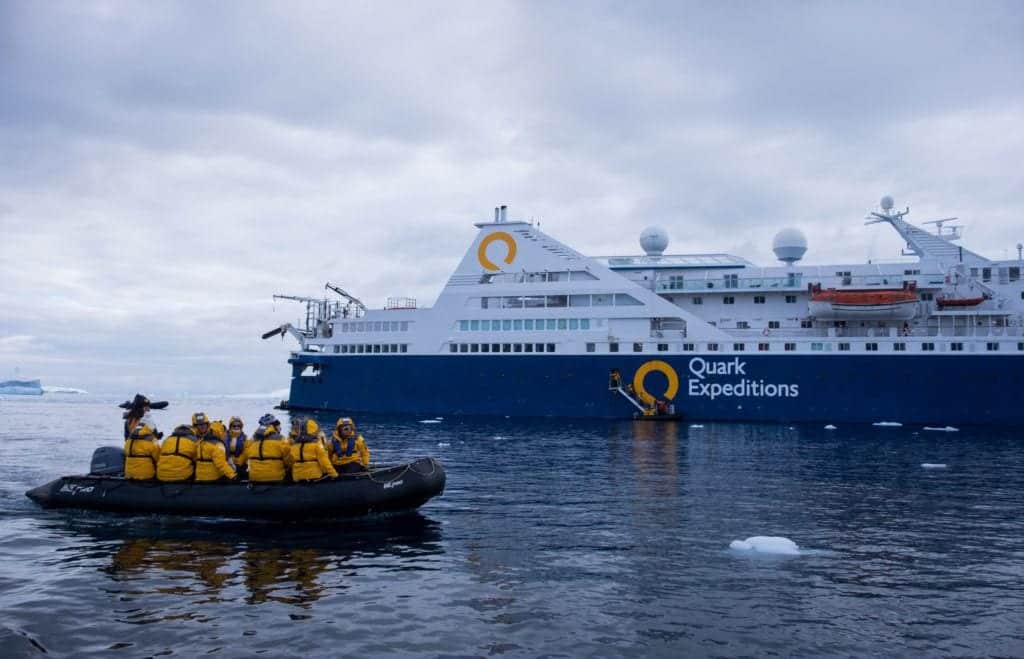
(863, 304)
(944, 302)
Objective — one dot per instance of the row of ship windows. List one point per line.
(527, 324)
(871, 346)
(374, 326)
(371, 348)
(558, 301)
(501, 347)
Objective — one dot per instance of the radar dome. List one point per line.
(887, 203)
(654, 240)
(789, 245)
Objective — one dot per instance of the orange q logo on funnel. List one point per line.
(662, 367)
(510, 244)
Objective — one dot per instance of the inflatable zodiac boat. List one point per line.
(382, 489)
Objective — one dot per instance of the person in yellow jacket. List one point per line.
(267, 455)
(309, 458)
(177, 456)
(141, 451)
(349, 453)
(211, 456)
(200, 425)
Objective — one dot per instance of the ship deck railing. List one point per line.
(875, 332)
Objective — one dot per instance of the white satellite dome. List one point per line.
(789, 245)
(654, 240)
(887, 203)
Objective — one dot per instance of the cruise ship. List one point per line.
(528, 326)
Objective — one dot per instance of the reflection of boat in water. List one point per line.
(383, 489)
(887, 304)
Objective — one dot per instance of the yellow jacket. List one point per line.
(310, 461)
(268, 458)
(212, 461)
(344, 451)
(177, 456)
(141, 453)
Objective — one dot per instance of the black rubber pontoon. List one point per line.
(384, 489)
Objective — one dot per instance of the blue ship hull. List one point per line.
(933, 389)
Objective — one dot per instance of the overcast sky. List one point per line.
(166, 167)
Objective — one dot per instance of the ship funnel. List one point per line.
(497, 218)
(504, 214)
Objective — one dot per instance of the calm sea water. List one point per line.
(553, 538)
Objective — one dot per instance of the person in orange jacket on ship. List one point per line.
(211, 456)
(309, 458)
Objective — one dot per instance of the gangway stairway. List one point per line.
(625, 394)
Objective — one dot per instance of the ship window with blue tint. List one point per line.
(453, 347)
(495, 347)
(538, 324)
(623, 300)
(773, 324)
(790, 299)
(495, 325)
(728, 299)
(697, 300)
(817, 346)
(528, 324)
(538, 347)
(758, 299)
(534, 302)
(374, 326)
(574, 323)
(512, 302)
(613, 347)
(638, 347)
(899, 347)
(344, 327)
(557, 301)
(394, 347)
(517, 324)
(506, 325)
(688, 347)
(474, 325)
(601, 300)
(485, 347)
(992, 346)
(551, 347)
(474, 347)
(463, 347)
(584, 323)
(386, 348)
(579, 300)
(927, 297)
(738, 347)
(404, 325)
(359, 327)
(394, 325)
(871, 347)
(517, 347)
(742, 324)
(844, 347)
(806, 324)
(464, 325)
(506, 347)
(376, 348)
(662, 347)
(928, 347)
(552, 323)
(528, 347)
(385, 326)
(337, 349)
(956, 347)
(763, 347)
(712, 347)
(592, 347)
(404, 347)
(485, 325)
(360, 348)
(562, 324)
(1020, 346)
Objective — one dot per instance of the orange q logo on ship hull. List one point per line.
(510, 244)
(661, 367)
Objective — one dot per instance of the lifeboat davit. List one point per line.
(944, 302)
(863, 304)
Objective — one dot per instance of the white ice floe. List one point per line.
(696, 425)
(430, 421)
(63, 390)
(443, 445)
(942, 429)
(887, 424)
(499, 437)
(765, 544)
(933, 465)
(439, 418)
(830, 427)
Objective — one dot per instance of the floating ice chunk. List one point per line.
(430, 421)
(443, 445)
(933, 465)
(696, 425)
(499, 437)
(942, 429)
(830, 427)
(887, 424)
(439, 418)
(765, 544)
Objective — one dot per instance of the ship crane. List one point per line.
(343, 293)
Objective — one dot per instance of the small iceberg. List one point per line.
(942, 429)
(63, 390)
(430, 421)
(933, 465)
(764, 544)
(443, 445)
(887, 424)
(696, 425)
(21, 388)
(830, 427)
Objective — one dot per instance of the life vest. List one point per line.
(239, 448)
(181, 432)
(273, 437)
(302, 442)
(349, 448)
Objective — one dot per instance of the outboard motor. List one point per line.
(107, 461)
